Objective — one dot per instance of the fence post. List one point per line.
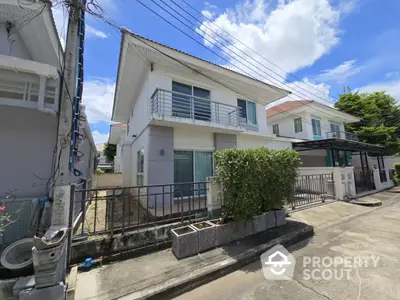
(377, 179)
(339, 182)
(70, 222)
(213, 200)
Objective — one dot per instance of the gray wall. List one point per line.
(224, 141)
(28, 138)
(312, 160)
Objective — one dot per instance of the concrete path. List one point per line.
(341, 229)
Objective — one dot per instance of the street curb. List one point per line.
(370, 204)
(184, 283)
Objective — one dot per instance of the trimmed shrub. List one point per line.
(254, 181)
(397, 168)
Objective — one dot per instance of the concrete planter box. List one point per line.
(260, 223)
(184, 241)
(270, 219)
(228, 232)
(280, 216)
(205, 235)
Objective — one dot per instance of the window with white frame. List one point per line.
(140, 167)
(247, 112)
(275, 129)
(298, 125)
(316, 126)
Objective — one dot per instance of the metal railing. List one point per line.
(313, 188)
(364, 181)
(383, 176)
(342, 135)
(120, 209)
(173, 104)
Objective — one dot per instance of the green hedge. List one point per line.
(253, 181)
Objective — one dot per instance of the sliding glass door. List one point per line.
(185, 105)
(189, 167)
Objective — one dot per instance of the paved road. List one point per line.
(374, 233)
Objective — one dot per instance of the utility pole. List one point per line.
(61, 192)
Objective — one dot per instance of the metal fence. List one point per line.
(313, 188)
(391, 174)
(120, 209)
(364, 181)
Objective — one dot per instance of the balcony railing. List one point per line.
(178, 105)
(342, 135)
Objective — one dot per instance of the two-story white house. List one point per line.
(31, 57)
(325, 143)
(180, 109)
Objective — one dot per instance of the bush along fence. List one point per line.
(253, 185)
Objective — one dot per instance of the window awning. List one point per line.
(344, 145)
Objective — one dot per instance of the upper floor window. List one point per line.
(275, 129)
(316, 126)
(247, 112)
(335, 127)
(298, 125)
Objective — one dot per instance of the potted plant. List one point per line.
(205, 235)
(260, 223)
(184, 241)
(271, 219)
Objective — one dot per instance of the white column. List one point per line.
(344, 183)
(377, 180)
(42, 88)
(213, 199)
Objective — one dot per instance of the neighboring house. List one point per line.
(326, 143)
(180, 109)
(117, 137)
(30, 61)
(102, 161)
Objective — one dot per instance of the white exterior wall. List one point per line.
(18, 48)
(184, 139)
(129, 158)
(286, 123)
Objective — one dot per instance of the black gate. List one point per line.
(364, 181)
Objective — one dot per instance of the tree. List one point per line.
(379, 117)
(109, 151)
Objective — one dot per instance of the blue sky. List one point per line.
(327, 44)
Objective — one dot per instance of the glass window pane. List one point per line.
(183, 172)
(202, 108)
(275, 129)
(298, 125)
(203, 169)
(243, 112)
(181, 104)
(251, 113)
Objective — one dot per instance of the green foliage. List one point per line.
(397, 168)
(110, 151)
(99, 171)
(253, 181)
(396, 178)
(379, 114)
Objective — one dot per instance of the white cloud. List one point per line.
(315, 91)
(100, 137)
(340, 73)
(294, 35)
(208, 14)
(98, 98)
(348, 6)
(391, 87)
(93, 32)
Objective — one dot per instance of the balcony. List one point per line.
(28, 84)
(174, 106)
(342, 135)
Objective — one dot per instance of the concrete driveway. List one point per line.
(343, 231)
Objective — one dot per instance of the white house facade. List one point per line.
(30, 61)
(179, 109)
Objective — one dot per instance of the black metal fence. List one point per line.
(313, 188)
(364, 181)
(383, 176)
(120, 209)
